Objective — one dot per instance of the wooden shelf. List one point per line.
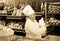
(53, 13)
(54, 25)
(18, 17)
(3, 15)
(14, 17)
(54, 3)
(18, 29)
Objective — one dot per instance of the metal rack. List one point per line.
(53, 15)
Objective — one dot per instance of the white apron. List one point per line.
(33, 29)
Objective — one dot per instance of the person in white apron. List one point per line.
(33, 29)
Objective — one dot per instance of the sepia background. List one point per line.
(48, 9)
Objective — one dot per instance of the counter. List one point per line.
(21, 38)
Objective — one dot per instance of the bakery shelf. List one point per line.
(54, 3)
(14, 17)
(2, 14)
(53, 13)
(18, 29)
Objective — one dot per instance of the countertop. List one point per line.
(21, 38)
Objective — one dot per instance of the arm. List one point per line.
(43, 26)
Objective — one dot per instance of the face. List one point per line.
(32, 16)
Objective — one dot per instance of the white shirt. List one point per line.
(33, 29)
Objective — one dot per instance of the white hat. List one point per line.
(28, 10)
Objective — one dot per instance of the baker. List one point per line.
(33, 29)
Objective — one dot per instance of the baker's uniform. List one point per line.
(33, 29)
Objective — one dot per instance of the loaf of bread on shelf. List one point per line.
(4, 30)
(19, 12)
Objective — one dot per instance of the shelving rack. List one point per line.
(15, 18)
(46, 8)
(53, 27)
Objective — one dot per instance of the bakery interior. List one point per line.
(48, 9)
